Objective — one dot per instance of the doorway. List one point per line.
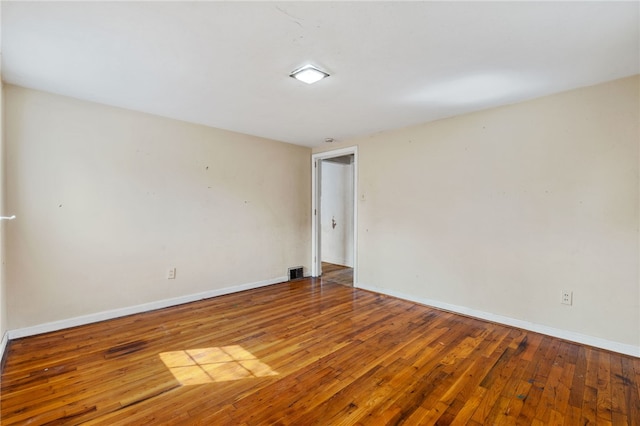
(334, 211)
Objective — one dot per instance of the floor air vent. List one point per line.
(295, 273)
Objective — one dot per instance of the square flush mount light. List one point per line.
(309, 74)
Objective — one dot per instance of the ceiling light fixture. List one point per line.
(309, 74)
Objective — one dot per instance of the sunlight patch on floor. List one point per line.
(216, 364)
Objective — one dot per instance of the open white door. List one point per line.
(316, 210)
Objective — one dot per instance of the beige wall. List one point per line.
(108, 199)
(3, 298)
(500, 210)
(495, 211)
(3, 292)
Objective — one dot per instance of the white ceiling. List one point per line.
(392, 64)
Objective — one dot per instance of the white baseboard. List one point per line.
(3, 346)
(116, 313)
(336, 261)
(526, 325)
(121, 312)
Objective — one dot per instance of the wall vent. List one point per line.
(295, 273)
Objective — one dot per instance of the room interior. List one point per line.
(154, 154)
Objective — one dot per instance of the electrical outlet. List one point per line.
(567, 297)
(171, 274)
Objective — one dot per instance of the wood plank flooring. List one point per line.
(312, 353)
(337, 274)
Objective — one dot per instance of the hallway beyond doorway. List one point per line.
(338, 274)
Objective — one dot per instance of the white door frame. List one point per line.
(316, 261)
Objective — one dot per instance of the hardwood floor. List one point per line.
(306, 353)
(337, 274)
